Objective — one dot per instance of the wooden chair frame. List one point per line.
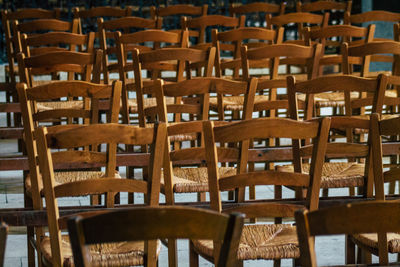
(347, 219)
(262, 128)
(157, 222)
(64, 137)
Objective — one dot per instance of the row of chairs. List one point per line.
(194, 87)
(227, 133)
(141, 56)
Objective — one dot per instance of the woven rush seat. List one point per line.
(148, 103)
(371, 240)
(235, 102)
(112, 254)
(336, 99)
(178, 137)
(73, 104)
(261, 241)
(331, 99)
(195, 179)
(66, 177)
(335, 174)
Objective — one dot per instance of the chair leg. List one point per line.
(325, 192)
(277, 263)
(350, 251)
(194, 258)
(172, 253)
(201, 196)
(30, 235)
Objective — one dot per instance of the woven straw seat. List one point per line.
(73, 104)
(193, 180)
(371, 240)
(329, 99)
(148, 103)
(65, 177)
(112, 254)
(335, 174)
(178, 137)
(261, 241)
(235, 102)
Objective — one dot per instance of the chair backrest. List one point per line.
(198, 27)
(40, 26)
(3, 241)
(274, 55)
(336, 9)
(357, 94)
(75, 136)
(231, 42)
(341, 33)
(355, 218)
(88, 65)
(171, 14)
(107, 37)
(56, 41)
(157, 222)
(301, 19)
(256, 10)
(383, 128)
(183, 59)
(372, 16)
(90, 16)
(7, 19)
(34, 114)
(388, 51)
(184, 91)
(244, 131)
(345, 33)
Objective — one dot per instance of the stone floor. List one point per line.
(330, 249)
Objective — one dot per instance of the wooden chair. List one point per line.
(3, 241)
(350, 173)
(262, 241)
(301, 19)
(273, 56)
(33, 115)
(342, 33)
(56, 248)
(380, 244)
(189, 179)
(156, 222)
(336, 9)
(8, 17)
(231, 42)
(171, 14)
(256, 10)
(356, 219)
(183, 60)
(57, 42)
(198, 28)
(107, 31)
(134, 43)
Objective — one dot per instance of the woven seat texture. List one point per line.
(113, 254)
(335, 174)
(261, 241)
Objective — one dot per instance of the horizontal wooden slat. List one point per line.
(27, 216)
